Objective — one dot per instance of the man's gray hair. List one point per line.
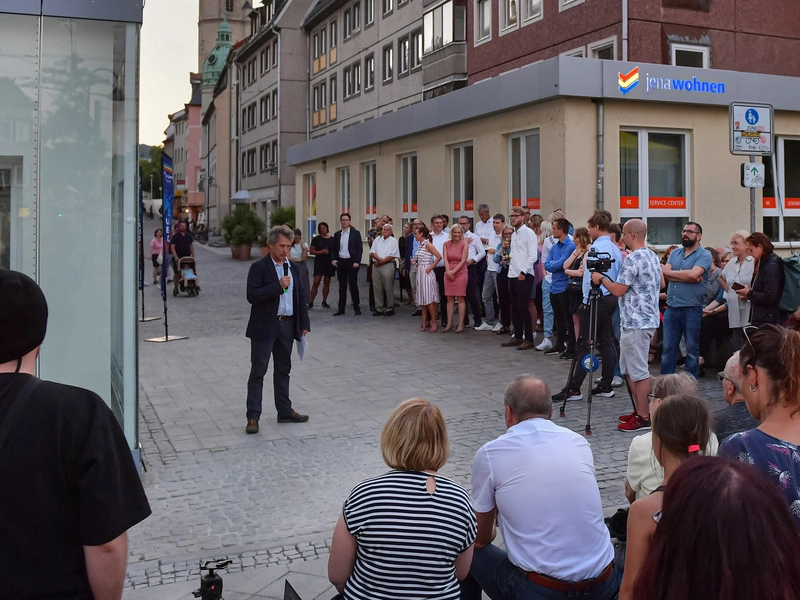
(389, 225)
(483, 207)
(732, 371)
(279, 231)
(528, 396)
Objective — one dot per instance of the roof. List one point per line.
(318, 11)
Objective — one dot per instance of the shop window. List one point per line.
(344, 190)
(408, 186)
(370, 194)
(524, 170)
(781, 221)
(462, 189)
(653, 181)
(442, 26)
(687, 55)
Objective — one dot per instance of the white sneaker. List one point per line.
(617, 381)
(484, 327)
(497, 327)
(545, 345)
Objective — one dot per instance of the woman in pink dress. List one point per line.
(455, 276)
(427, 290)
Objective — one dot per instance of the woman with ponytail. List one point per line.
(681, 428)
(770, 365)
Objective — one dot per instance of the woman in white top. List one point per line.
(739, 271)
(299, 254)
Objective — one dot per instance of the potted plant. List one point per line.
(263, 240)
(241, 229)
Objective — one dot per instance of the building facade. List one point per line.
(212, 14)
(69, 184)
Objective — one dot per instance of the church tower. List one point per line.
(212, 14)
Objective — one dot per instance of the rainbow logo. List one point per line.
(628, 81)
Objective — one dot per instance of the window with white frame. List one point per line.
(604, 49)
(524, 170)
(263, 109)
(402, 56)
(576, 52)
(310, 201)
(531, 11)
(344, 190)
(323, 96)
(388, 65)
(275, 53)
(408, 186)
(565, 4)
(356, 88)
(268, 111)
(388, 5)
(781, 222)
(483, 20)
(347, 78)
(267, 54)
(442, 26)
(461, 184)
(315, 98)
(334, 95)
(369, 72)
(274, 103)
(653, 173)
(334, 34)
(263, 156)
(509, 14)
(369, 12)
(370, 171)
(688, 55)
(348, 24)
(416, 49)
(356, 17)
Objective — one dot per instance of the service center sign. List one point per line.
(751, 128)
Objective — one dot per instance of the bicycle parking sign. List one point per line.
(751, 129)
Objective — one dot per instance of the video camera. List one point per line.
(599, 262)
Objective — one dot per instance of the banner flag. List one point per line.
(140, 235)
(168, 195)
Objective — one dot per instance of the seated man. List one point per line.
(735, 417)
(538, 482)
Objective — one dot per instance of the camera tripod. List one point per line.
(211, 583)
(589, 362)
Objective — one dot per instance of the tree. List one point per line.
(152, 167)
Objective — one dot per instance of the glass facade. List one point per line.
(69, 192)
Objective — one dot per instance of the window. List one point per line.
(782, 222)
(263, 157)
(369, 12)
(565, 4)
(315, 98)
(370, 194)
(577, 52)
(356, 78)
(604, 49)
(508, 13)
(264, 63)
(408, 186)
(333, 91)
(344, 190)
(348, 24)
(267, 54)
(369, 72)
(387, 7)
(323, 95)
(416, 49)
(274, 104)
(334, 40)
(387, 63)
(686, 55)
(310, 201)
(462, 195)
(442, 26)
(653, 175)
(524, 169)
(531, 11)
(316, 46)
(263, 109)
(251, 162)
(483, 20)
(347, 77)
(269, 104)
(274, 154)
(228, 5)
(356, 17)
(275, 53)
(402, 56)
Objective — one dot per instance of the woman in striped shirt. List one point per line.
(407, 533)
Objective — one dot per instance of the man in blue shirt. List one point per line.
(598, 225)
(686, 274)
(562, 319)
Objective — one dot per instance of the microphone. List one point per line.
(285, 274)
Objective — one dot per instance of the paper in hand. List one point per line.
(302, 344)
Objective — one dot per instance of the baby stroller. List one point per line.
(186, 277)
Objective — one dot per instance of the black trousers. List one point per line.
(563, 327)
(504, 298)
(605, 341)
(474, 289)
(348, 277)
(439, 272)
(520, 290)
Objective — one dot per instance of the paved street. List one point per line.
(270, 501)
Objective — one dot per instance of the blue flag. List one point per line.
(168, 196)
(140, 235)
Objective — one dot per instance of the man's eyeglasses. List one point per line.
(690, 231)
(650, 398)
(721, 377)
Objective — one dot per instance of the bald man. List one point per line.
(638, 283)
(735, 417)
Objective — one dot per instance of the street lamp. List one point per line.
(151, 186)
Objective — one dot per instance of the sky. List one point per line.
(168, 55)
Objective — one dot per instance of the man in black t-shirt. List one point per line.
(181, 245)
(71, 487)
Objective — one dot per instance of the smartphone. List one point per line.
(736, 286)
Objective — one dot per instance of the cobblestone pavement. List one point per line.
(270, 501)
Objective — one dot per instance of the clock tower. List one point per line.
(212, 14)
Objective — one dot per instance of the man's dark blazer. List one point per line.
(409, 248)
(264, 292)
(354, 244)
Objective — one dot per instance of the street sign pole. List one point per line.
(751, 133)
(752, 201)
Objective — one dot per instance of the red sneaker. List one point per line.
(626, 418)
(637, 424)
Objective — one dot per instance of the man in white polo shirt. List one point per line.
(384, 251)
(537, 482)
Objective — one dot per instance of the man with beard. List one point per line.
(686, 274)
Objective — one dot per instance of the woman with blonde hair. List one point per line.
(407, 533)
(738, 273)
(454, 253)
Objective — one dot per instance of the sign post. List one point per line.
(751, 134)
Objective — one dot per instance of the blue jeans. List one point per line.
(492, 572)
(682, 321)
(547, 309)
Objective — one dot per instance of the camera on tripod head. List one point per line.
(599, 262)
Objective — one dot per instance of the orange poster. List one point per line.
(628, 202)
(660, 202)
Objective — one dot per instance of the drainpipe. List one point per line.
(601, 170)
(277, 34)
(308, 91)
(624, 30)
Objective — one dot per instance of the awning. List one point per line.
(240, 197)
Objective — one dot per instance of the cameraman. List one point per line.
(637, 284)
(602, 245)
